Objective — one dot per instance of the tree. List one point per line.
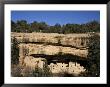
(94, 56)
(23, 26)
(93, 26)
(43, 27)
(14, 51)
(34, 27)
(13, 26)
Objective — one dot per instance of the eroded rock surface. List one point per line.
(33, 45)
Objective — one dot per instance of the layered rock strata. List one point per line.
(52, 45)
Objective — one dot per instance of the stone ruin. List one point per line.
(60, 52)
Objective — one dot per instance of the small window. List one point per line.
(82, 43)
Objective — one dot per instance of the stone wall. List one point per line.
(71, 68)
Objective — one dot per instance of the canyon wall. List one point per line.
(36, 49)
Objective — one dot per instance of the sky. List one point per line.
(53, 17)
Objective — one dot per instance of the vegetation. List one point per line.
(14, 51)
(94, 56)
(93, 62)
(16, 70)
(24, 27)
(25, 71)
(45, 72)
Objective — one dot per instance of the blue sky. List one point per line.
(53, 17)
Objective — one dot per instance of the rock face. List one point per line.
(52, 50)
(52, 46)
(34, 62)
(75, 40)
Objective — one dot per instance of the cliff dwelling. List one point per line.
(61, 53)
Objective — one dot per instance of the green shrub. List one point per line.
(94, 56)
(14, 51)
